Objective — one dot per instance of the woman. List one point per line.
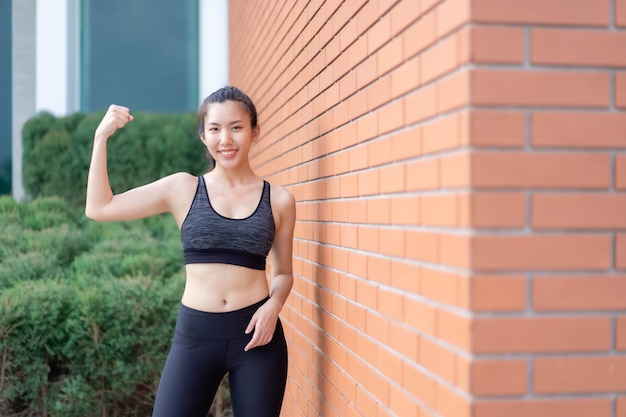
(230, 220)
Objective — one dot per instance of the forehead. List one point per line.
(226, 112)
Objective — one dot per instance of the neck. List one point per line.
(240, 176)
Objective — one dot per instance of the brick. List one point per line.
(498, 45)
(578, 129)
(620, 402)
(439, 60)
(494, 210)
(455, 170)
(421, 105)
(499, 377)
(498, 293)
(403, 14)
(423, 175)
(578, 47)
(450, 402)
(452, 14)
(541, 88)
(541, 334)
(620, 172)
(391, 117)
(379, 93)
(453, 92)
(620, 21)
(540, 170)
(620, 90)
(539, 12)
(620, 333)
(379, 34)
(402, 404)
(441, 286)
(437, 359)
(579, 374)
(406, 144)
(441, 134)
(571, 293)
(422, 245)
(578, 211)
(454, 328)
(405, 210)
(419, 35)
(406, 77)
(419, 384)
(455, 250)
(493, 128)
(569, 407)
(550, 252)
(620, 251)
(420, 316)
(439, 210)
(390, 56)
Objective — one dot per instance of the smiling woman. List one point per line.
(230, 221)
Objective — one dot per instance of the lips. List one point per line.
(228, 152)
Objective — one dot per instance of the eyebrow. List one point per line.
(234, 122)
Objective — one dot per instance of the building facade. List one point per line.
(64, 56)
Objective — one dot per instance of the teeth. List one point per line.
(228, 153)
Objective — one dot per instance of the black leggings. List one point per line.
(208, 345)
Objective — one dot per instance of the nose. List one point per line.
(225, 137)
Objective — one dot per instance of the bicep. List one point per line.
(136, 203)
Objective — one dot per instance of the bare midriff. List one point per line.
(219, 288)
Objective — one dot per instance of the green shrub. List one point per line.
(85, 348)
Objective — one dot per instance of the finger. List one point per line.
(251, 325)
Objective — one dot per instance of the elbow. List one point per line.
(89, 213)
(92, 214)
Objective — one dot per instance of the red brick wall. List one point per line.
(460, 172)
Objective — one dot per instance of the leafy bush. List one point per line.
(85, 348)
(86, 317)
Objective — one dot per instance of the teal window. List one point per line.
(142, 54)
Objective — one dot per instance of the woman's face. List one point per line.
(228, 133)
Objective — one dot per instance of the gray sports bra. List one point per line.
(208, 237)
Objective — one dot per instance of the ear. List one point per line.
(201, 135)
(256, 134)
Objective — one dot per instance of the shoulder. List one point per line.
(180, 188)
(181, 179)
(281, 197)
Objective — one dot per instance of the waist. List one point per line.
(222, 287)
(209, 325)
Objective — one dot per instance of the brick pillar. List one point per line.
(460, 173)
(549, 208)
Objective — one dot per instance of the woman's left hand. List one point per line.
(263, 323)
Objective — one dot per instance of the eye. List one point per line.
(236, 127)
(212, 129)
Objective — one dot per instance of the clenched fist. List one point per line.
(115, 118)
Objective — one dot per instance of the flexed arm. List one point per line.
(101, 204)
(99, 192)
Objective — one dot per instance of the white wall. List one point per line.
(213, 25)
(53, 56)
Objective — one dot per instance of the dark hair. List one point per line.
(228, 93)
